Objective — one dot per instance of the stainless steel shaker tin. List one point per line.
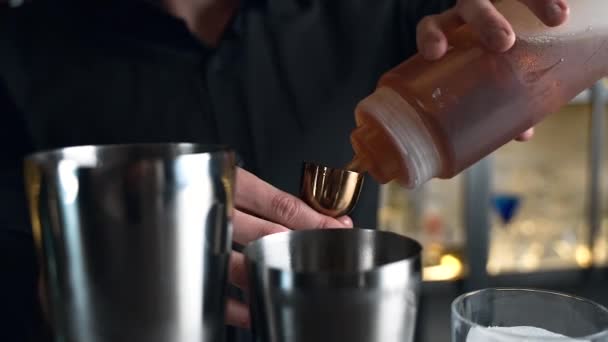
(134, 240)
(354, 285)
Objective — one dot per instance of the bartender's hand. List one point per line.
(262, 209)
(495, 31)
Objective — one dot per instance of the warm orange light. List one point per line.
(449, 268)
(583, 256)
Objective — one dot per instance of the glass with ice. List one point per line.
(524, 315)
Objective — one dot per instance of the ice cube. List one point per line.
(515, 334)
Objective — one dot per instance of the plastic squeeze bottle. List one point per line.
(434, 119)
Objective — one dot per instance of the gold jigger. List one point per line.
(330, 191)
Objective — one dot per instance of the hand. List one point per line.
(262, 209)
(495, 31)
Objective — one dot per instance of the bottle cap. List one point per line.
(418, 156)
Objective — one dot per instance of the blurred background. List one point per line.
(531, 215)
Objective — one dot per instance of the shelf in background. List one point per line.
(585, 96)
(549, 231)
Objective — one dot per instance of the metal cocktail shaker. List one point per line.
(134, 240)
(353, 285)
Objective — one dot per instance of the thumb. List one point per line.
(346, 221)
(335, 223)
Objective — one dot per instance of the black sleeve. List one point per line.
(20, 314)
(15, 141)
(15, 144)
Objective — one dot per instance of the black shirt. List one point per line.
(280, 88)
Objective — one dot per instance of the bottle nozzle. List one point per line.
(394, 141)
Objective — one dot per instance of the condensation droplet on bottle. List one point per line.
(420, 104)
(436, 93)
(437, 97)
(536, 75)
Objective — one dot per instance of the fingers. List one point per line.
(249, 228)
(274, 211)
(262, 199)
(551, 12)
(237, 314)
(430, 37)
(527, 135)
(494, 30)
(237, 271)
